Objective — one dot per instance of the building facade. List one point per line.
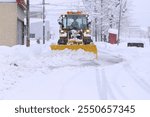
(36, 30)
(135, 32)
(12, 22)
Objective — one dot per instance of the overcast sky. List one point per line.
(141, 10)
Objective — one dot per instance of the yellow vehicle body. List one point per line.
(75, 36)
(87, 48)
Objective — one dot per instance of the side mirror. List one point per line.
(59, 23)
(89, 23)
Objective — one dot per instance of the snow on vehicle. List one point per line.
(75, 33)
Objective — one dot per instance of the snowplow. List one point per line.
(75, 33)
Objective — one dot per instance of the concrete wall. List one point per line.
(8, 24)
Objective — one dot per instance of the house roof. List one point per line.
(113, 31)
(7, 0)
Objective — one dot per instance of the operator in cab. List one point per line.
(75, 24)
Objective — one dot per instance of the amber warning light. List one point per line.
(70, 12)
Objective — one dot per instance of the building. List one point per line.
(149, 32)
(135, 32)
(12, 22)
(113, 36)
(36, 30)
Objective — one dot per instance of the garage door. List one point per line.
(20, 32)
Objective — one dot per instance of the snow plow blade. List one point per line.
(87, 48)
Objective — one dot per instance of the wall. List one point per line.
(8, 24)
(37, 29)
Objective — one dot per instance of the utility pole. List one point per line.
(43, 21)
(119, 25)
(28, 24)
(101, 27)
(149, 34)
(95, 21)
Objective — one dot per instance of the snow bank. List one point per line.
(31, 72)
(42, 55)
(19, 61)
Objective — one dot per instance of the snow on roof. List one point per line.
(7, 0)
(114, 31)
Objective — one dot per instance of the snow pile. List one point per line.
(20, 62)
(70, 57)
(43, 56)
(39, 73)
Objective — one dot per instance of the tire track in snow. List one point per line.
(99, 88)
(102, 85)
(64, 85)
(138, 79)
(102, 90)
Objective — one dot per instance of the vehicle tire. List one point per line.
(62, 42)
(87, 41)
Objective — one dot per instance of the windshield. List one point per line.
(75, 22)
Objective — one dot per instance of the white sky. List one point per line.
(140, 9)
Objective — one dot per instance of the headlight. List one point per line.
(62, 31)
(63, 34)
(87, 31)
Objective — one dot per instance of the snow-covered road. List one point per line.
(38, 73)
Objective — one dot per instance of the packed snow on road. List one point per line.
(120, 72)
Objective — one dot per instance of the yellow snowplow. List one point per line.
(87, 48)
(75, 33)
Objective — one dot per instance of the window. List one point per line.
(32, 35)
(81, 20)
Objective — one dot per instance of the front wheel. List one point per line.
(87, 41)
(62, 42)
